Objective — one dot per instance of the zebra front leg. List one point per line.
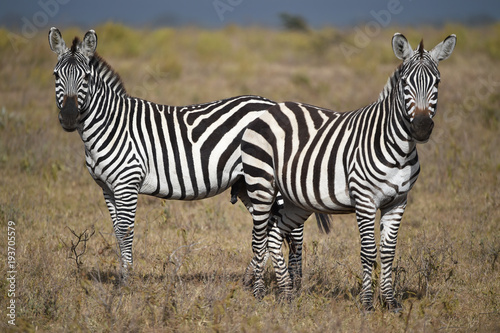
(122, 207)
(389, 226)
(365, 216)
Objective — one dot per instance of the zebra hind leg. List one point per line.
(262, 201)
(295, 241)
(259, 246)
(238, 190)
(276, 237)
(249, 275)
(290, 225)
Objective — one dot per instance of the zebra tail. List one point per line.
(324, 222)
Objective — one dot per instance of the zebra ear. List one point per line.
(89, 44)
(444, 49)
(56, 42)
(401, 47)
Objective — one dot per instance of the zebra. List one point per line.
(337, 163)
(134, 146)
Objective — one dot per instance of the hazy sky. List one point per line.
(43, 14)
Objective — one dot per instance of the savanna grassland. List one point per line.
(189, 257)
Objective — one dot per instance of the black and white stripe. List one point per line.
(352, 162)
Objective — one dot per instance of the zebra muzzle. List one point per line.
(421, 128)
(69, 114)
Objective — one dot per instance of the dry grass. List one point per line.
(190, 256)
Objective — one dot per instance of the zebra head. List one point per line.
(419, 80)
(72, 74)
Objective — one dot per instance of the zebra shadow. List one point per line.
(114, 277)
(106, 276)
(351, 291)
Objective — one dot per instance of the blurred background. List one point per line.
(218, 13)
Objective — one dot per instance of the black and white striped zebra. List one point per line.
(352, 162)
(133, 146)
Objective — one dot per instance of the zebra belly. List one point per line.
(336, 194)
(331, 197)
(185, 188)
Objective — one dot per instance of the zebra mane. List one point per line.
(391, 83)
(421, 48)
(74, 45)
(108, 74)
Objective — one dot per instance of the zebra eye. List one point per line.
(87, 76)
(56, 75)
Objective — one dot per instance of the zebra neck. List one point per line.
(106, 94)
(106, 108)
(397, 125)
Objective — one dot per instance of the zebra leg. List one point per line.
(248, 276)
(276, 236)
(122, 207)
(365, 216)
(292, 219)
(110, 202)
(261, 194)
(389, 226)
(238, 190)
(259, 246)
(295, 257)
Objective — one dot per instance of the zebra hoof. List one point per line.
(297, 286)
(368, 308)
(395, 307)
(123, 276)
(259, 293)
(248, 280)
(285, 297)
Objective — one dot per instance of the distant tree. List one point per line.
(294, 22)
